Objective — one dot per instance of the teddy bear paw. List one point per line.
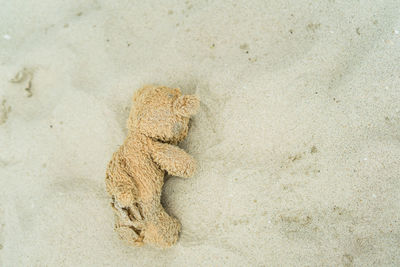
(190, 168)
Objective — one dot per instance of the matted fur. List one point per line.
(135, 175)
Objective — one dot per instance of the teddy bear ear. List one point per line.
(186, 105)
(139, 93)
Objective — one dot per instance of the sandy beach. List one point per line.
(297, 138)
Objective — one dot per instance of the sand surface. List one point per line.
(297, 139)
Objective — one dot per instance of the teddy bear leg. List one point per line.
(162, 230)
(128, 224)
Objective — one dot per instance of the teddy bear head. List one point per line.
(162, 113)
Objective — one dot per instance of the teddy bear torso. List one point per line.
(132, 175)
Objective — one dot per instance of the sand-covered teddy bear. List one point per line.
(158, 121)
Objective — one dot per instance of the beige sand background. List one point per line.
(298, 137)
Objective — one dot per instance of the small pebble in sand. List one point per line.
(373, 195)
(396, 31)
(6, 36)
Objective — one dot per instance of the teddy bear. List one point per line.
(158, 121)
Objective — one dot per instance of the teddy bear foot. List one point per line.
(157, 229)
(129, 235)
(163, 230)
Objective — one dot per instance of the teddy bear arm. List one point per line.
(174, 160)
